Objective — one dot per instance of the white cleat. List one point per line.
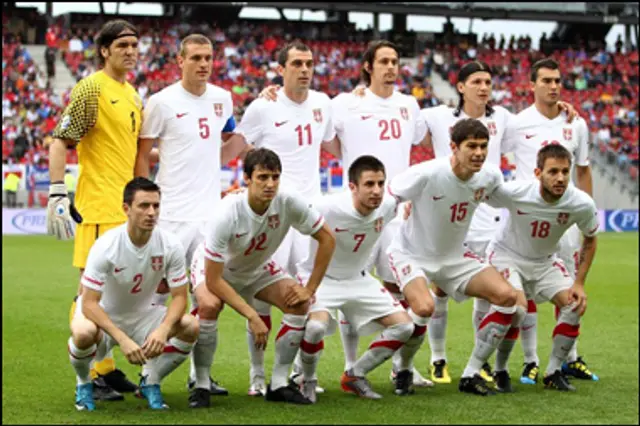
(418, 380)
(258, 386)
(298, 379)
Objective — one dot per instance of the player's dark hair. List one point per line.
(547, 63)
(468, 128)
(553, 150)
(264, 158)
(138, 184)
(198, 39)
(364, 163)
(369, 57)
(109, 32)
(283, 54)
(464, 73)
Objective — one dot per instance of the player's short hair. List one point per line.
(468, 128)
(547, 63)
(463, 75)
(138, 184)
(264, 158)
(283, 54)
(110, 31)
(552, 150)
(193, 39)
(369, 56)
(364, 163)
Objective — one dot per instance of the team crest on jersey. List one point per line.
(567, 133)
(478, 195)
(157, 262)
(273, 221)
(493, 130)
(563, 218)
(406, 270)
(378, 224)
(317, 115)
(404, 113)
(217, 108)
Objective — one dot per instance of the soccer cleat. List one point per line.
(199, 398)
(153, 395)
(357, 385)
(309, 390)
(558, 381)
(298, 379)
(84, 397)
(502, 381)
(119, 382)
(475, 385)
(530, 374)
(103, 392)
(418, 380)
(404, 383)
(214, 390)
(486, 373)
(440, 372)
(258, 386)
(290, 393)
(579, 370)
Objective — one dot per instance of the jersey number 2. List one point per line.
(137, 280)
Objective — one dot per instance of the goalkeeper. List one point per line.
(103, 119)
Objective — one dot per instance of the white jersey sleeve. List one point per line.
(176, 266)
(582, 151)
(330, 131)
(219, 233)
(251, 125)
(98, 266)
(304, 217)
(502, 196)
(409, 184)
(421, 125)
(510, 136)
(153, 119)
(588, 218)
(338, 111)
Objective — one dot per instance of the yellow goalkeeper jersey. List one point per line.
(103, 117)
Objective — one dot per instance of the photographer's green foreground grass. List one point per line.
(38, 381)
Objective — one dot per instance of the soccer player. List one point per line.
(122, 273)
(236, 261)
(358, 218)
(445, 193)
(541, 211)
(103, 120)
(294, 126)
(186, 120)
(541, 124)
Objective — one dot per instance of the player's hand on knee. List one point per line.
(578, 297)
(260, 332)
(359, 91)
(133, 352)
(155, 343)
(297, 295)
(269, 92)
(61, 213)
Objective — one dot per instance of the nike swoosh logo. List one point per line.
(116, 270)
(241, 235)
(282, 123)
(113, 102)
(181, 115)
(366, 117)
(528, 136)
(520, 212)
(438, 198)
(341, 230)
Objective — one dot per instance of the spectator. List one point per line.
(11, 185)
(50, 59)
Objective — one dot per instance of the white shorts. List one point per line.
(362, 300)
(540, 281)
(379, 256)
(479, 248)
(450, 275)
(293, 249)
(137, 326)
(190, 234)
(569, 249)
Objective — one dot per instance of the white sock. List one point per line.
(564, 335)
(175, 353)
(529, 334)
(287, 345)
(403, 358)
(311, 348)
(388, 342)
(438, 328)
(480, 309)
(504, 349)
(256, 356)
(203, 352)
(573, 353)
(491, 332)
(350, 340)
(81, 361)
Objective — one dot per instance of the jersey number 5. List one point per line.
(204, 128)
(137, 280)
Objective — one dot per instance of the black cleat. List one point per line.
(529, 374)
(475, 385)
(104, 392)
(502, 381)
(289, 393)
(579, 370)
(199, 398)
(215, 388)
(486, 373)
(404, 383)
(558, 381)
(119, 382)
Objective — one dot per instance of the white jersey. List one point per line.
(294, 132)
(534, 227)
(439, 121)
(529, 131)
(356, 235)
(442, 206)
(383, 128)
(244, 241)
(128, 276)
(189, 128)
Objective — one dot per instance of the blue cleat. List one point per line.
(529, 374)
(153, 395)
(84, 397)
(579, 370)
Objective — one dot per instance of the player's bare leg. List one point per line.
(287, 341)
(257, 377)
(437, 336)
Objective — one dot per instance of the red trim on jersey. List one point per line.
(92, 281)
(311, 348)
(317, 222)
(593, 231)
(177, 280)
(568, 330)
(404, 304)
(169, 349)
(513, 333)
(498, 318)
(394, 345)
(213, 254)
(194, 311)
(284, 328)
(532, 308)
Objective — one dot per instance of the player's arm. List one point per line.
(144, 157)
(154, 118)
(584, 180)
(426, 141)
(409, 184)
(333, 147)
(589, 225)
(326, 246)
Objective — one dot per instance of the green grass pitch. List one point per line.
(38, 382)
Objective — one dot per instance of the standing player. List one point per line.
(235, 262)
(187, 119)
(525, 252)
(103, 120)
(294, 126)
(121, 276)
(429, 247)
(358, 218)
(542, 124)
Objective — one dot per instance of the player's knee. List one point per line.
(83, 332)
(300, 309)
(506, 298)
(519, 315)
(315, 330)
(423, 309)
(190, 328)
(210, 308)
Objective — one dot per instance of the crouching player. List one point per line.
(524, 251)
(124, 268)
